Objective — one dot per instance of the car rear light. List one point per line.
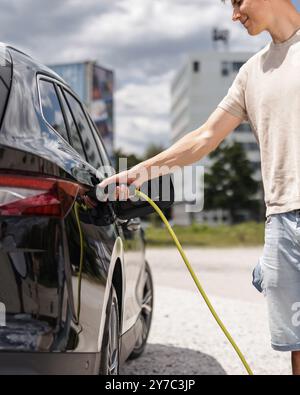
(33, 196)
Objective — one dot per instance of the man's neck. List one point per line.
(285, 25)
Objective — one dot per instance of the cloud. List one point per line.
(143, 114)
(143, 41)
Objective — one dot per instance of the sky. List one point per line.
(144, 41)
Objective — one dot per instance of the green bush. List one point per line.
(245, 234)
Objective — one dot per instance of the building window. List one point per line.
(236, 66)
(225, 69)
(231, 67)
(196, 67)
(244, 128)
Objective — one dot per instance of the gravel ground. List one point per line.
(185, 339)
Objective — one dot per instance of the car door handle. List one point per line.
(133, 225)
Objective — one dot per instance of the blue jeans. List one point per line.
(277, 275)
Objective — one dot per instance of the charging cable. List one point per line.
(197, 282)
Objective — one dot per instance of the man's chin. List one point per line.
(254, 32)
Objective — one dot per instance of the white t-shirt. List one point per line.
(266, 92)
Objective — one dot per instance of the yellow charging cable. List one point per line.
(200, 288)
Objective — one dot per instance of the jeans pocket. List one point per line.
(257, 277)
(268, 220)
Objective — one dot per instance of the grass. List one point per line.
(245, 234)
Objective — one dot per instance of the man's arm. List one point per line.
(196, 144)
(189, 149)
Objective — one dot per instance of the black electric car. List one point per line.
(76, 294)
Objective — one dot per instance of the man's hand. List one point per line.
(134, 178)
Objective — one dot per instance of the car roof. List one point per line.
(17, 55)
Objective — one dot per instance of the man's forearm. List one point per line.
(189, 149)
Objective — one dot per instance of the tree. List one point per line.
(132, 159)
(229, 183)
(153, 150)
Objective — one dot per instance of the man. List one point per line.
(266, 92)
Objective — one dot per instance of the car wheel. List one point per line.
(110, 355)
(145, 315)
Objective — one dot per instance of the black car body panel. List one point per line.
(54, 306)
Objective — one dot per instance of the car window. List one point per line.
(85, 131)
(75, 140)
(104, 156)
(51, 108)
(5, 79)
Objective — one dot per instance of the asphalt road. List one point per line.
(184, 338)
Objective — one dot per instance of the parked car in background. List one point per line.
(60, 313)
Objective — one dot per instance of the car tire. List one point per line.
(110, 354)
(145, 315)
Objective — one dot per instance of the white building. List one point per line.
(196, 90)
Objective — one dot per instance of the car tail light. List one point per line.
(35, 196)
